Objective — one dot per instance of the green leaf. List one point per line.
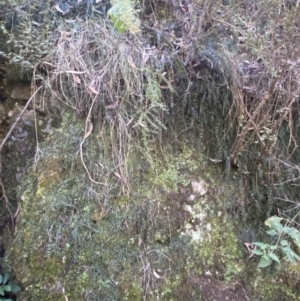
(274, 257)
(260, 245)
(120, 26)
(291, 255)
(274, 222)
(2, 290)
(6, 277)
(284, 242)
(287, 229)
(115, 15)
(15, 288)
(1, 278)
(257, 252)
(272, 232)
(265, 261)
(7, 287)
(292, 232)
(273, 247)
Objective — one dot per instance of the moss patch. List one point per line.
(91, 242)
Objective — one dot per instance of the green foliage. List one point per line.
(123, 16)
(71, 221)
(224, 242)
(171, 170)
(269, 253)
(7, 287)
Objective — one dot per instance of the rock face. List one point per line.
(78, 240)
(154, 222)
(20, 146)
(199, 187)
(21, 92)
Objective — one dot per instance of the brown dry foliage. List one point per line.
(257, 47)
(252, 47)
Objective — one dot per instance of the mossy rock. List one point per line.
(84, 241)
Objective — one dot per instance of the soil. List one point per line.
(215, 290)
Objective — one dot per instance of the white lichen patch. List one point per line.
(197, 228)
(191, 198)
(199, 187)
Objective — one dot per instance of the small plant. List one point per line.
(281, 233)
(124, 16)
(7, 288)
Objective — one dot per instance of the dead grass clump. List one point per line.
(112, 80)
(267, 36)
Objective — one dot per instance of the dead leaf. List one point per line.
(139, 123)
(145, 57)
(157, 275)
(113, 106)
(185, 8)
(131, 62)
(93, 90)
(88, 128)
(65, 34)
(76, 79)
(58, 9)
(72, 46)
(250, 247)
(70, 21)
(98, 215)
(117, 175)
(215, 160)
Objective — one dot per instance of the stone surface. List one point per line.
(21, 92)
(199, 187)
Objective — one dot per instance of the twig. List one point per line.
(87, 132)
(250, 122)
(13, 216)
(237, 283)
(18, 119)
(7, 203)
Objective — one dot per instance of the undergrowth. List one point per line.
(186, 66)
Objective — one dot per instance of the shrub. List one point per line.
(7, 288)
(281, 234)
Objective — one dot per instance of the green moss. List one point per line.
(79, 244)
(91, 242)
(132, 291)
(271, 287)
(226, 256)
(169, 169)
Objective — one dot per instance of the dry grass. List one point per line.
(116, 80)
(267, 53)
(110, 79)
